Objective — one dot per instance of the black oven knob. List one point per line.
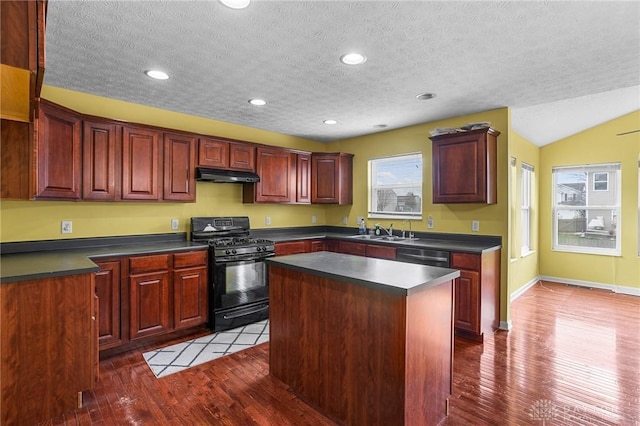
(258, 249)
(264, 249)
(227, 251)
(234, 251)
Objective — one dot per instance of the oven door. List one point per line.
(241, 293)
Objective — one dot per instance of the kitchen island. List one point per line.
(368, 341)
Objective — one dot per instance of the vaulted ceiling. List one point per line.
(561, 66)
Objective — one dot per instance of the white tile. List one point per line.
(246, 339)
(225, 337)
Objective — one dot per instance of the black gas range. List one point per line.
(238, 278)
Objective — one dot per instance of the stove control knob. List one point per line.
(234, 251)
(258, 248)
(264, 248)
(227, 251)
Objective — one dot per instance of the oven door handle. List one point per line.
(246, 312)
(244, 260)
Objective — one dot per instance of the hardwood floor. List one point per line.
(572, 358)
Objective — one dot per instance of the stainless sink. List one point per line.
(382, 238)
(367, 237)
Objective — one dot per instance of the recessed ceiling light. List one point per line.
(380, 126)
(158, 75)
(330, 121)
(353, 59)
(257, 102)
(425, 96)
(236, 4)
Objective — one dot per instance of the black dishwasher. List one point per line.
(423, 256)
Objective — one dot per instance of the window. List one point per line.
(586, 209)
(601, 181)
(525, 211)
(395, 187)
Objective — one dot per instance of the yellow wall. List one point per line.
(596, 145)
(448, 218)
(523, 270)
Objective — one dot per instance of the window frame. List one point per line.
(600, 181)
(526, 209)
(615, 209)
(372, 165)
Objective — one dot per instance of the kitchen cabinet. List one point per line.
(477, 309)
(22, 31)
(303, 178)
(16, 148)
(47, 350)
(101, 160)
(381, 252)
(332, 178)
(141, 164)
(149, 295)
(107, 284)
(319, 245)
(292, 247)
(190, 289)
(58, 151)
(347, 247)
(225, 154)
(465, 167)
(179, 167)
(277, 170)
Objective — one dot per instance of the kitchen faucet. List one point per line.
(410, 233)
(388, 231)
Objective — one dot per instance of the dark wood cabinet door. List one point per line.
(464, 167)
(277, 178)
(213, 153)
(101, 158)
(293, 247)
(467, 293)
(381, 252)
(359, 249)
(190, 297)
(319, 245)
(58, 154)
(303, 179)
(242, 157)
(108, 292)
(179, 167)
(141, 160)
(149, 304)
(332, 178)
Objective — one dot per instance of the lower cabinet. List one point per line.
(108, 292)
(150, 295)
(477, 307)
(293, 247)
(368, 250)
(47, 347)
(149, 300)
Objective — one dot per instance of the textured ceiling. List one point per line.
(561, 66)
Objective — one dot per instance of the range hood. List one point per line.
(225, 176)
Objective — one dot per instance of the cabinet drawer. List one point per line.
(465, 261)
(191, 258)
(357, 249)
(156, 262)
(381, 252)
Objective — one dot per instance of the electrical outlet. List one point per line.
(475, 225)
(345, 220)
(314, 219)
(267, 220)
(65, 227)
(174, 224)
(429, 222)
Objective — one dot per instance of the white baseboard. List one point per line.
(505, 325)
(519, 292)
(615, 288)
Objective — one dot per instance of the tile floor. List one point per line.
(174, 358)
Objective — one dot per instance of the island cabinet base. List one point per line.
(364, 356)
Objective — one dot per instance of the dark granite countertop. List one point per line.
(463, 243)
(385, 275)
(37, 260)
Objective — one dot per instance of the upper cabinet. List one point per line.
(141, 160)
(179, 174)
(303, 178)
(465, 167)
(22, 31)
(277, 170)
(332, 178)
(58, 150)
(224, 154)
(101, 160)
